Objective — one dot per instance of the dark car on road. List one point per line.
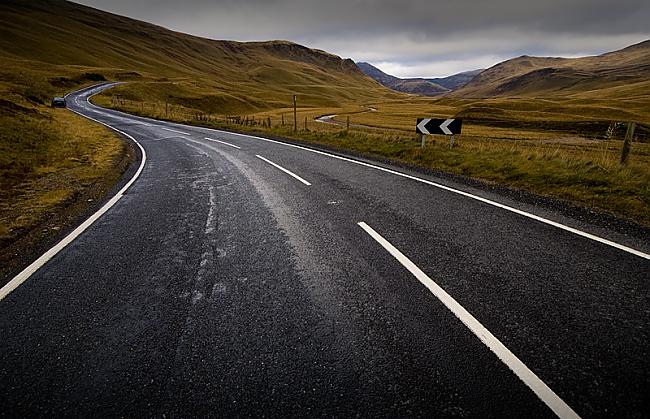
(58, 102)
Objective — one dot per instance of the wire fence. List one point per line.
(308, 121)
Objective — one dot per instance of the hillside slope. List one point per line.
(619, 74)
(240, 76)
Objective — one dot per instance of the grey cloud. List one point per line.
(408, 32)
(424, 16)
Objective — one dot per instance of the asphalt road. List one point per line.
(244, 277)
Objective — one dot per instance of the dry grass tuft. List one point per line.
(47, 162)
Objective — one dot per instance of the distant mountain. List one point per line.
(375, 73)
(419, 87)
(415, 86)
(621, 73)
(456, 81)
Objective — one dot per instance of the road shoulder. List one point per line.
(86, 192)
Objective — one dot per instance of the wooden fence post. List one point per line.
(625, 153)
(295, 115)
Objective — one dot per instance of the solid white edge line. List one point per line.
(290, 173)
(459, 192)
(177, 132)
(45, 257)
(222, 142)
(552, 400)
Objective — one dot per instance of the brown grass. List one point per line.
(67, 155)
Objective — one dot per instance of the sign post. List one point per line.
(295, 115)
(431, 126)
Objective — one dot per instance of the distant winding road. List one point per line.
(236, 275)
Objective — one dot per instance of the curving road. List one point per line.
(239, 276)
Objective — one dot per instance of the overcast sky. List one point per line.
(409, 38)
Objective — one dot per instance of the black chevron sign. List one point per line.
(430, 126)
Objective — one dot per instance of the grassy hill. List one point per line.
(241, 77)
(622, 74)
(54, 165)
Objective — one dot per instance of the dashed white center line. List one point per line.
(453, 190)
(173, 130)
(222, 142)
(552, 400)
(290, 173)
